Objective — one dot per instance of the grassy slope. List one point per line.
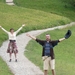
(4, 70)
(52, 6)
(64, 52)
(14, 17)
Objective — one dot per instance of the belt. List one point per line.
(12, 40)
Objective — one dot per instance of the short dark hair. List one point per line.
(11, 29)
(48, 34)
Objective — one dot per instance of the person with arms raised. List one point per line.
(48, 52)
(12, 47)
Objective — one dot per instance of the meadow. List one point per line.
(35, 14)
(59, 7)
(4, 69)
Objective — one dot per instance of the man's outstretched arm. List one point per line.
(61, 39)
(34, 38)
(41, 42)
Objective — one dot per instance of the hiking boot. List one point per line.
(15, 60)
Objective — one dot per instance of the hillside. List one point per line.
(60, 7)
(14, 17)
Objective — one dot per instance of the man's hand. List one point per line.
(28, 35)
(23, 25)
(34, 38)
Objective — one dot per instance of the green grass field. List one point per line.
(4, 70)
(59, 7)
(64, 52)
(35, 14)
(15, 16)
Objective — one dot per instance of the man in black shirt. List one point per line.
(47, 53)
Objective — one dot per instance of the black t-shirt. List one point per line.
(51, 44)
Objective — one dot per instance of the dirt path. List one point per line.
(24, 66)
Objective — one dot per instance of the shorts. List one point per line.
(48, 63)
